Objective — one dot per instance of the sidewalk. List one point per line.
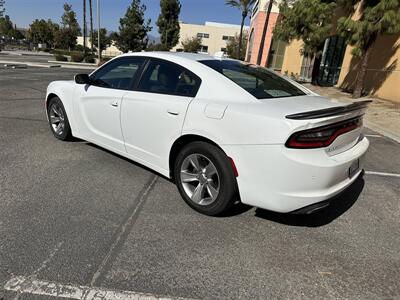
(382, 116)
(22, 53)
(48, 64)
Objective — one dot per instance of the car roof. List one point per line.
(184, 55)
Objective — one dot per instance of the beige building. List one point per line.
(214, 36)
(339, 67)
(110, 51)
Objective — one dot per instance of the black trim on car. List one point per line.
(328, 112)
(137, 78)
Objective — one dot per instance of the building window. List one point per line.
(255, 9)
(203, 35)
(276, 55)
(203, 49)
(228, 38)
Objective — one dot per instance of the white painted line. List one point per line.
(374, 135)
(32, 286)
(47, 261)
(382, 174)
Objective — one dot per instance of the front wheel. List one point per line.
(58, 120)
(205, 178)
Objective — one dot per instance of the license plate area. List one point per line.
(355, 166)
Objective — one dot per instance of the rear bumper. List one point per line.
(284, 180)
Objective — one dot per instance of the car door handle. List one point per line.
(114, 103)
(173, 112)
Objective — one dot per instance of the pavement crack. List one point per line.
(123, 231)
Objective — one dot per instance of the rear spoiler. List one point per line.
(328, 112)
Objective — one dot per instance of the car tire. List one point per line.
(211, 187)
(58, 120)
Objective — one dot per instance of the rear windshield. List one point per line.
(258, 81)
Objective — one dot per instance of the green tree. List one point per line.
(42, 31)
(244, 6)
(157, 47)
(310, 21)
(15, 34)
(191, 44)
(233, 45)
(105, 40)
(133, 29)
(168, 22)
(376, 17)
(8, 29)
(2, 9)
(66, 37)
(6, 26)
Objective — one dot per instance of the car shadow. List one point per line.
(337, 207)
(125, 159)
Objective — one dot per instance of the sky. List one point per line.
(23, 12)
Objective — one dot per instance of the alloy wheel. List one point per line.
(57, 119)
(200, 179)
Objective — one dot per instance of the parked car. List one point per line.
(222, 129)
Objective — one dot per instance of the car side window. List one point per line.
(168, 78)
(118, 74)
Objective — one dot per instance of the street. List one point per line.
(75, 214)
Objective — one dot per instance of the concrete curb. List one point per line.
(26, 53)
(69, 63)
(39, 65)
(30, 64)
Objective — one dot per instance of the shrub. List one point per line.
(157, 47)
(60, 57)
(90, 59)
(80, 48)
(60, 52)
(104, 60)
(77, 57)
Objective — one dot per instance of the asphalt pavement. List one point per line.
(75, 218)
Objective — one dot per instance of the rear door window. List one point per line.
(163, 77)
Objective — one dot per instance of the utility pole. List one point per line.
(2, 9)
(84, 27)
(98, 30)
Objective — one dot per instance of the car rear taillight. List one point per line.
(322, 136)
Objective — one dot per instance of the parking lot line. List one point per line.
(32, 286)
(382, 174)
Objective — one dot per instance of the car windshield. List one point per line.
(258, 81)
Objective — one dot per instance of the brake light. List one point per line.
(322, 136)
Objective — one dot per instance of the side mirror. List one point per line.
(82, 79)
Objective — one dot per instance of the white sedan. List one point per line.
(221, 129)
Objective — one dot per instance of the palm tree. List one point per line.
(244, 6)
(91, 24)
(84, 26)
(261, 49)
